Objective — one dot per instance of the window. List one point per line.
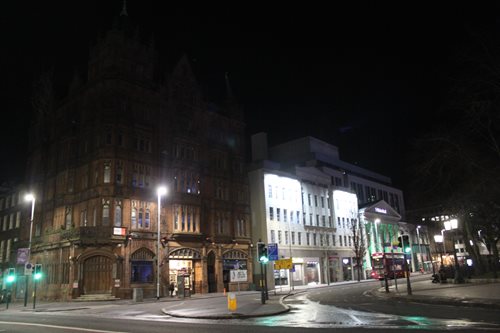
(284, 215)
(321, 240)
(119, 173)
(330, 221)
(327, 239)
(133, 218)
(293, 237)
(139, 221)
(270, 191)
(317, 220)
(298, 217)
(349, 240)
(147, 221)
(271, 213)
(322, 202)
(107, 173)
(83, 218)
(314, 239)
(118, 216)
(273, 236)
(333, 240)
(142, 271)
(310, 219)
(279, 236)
(323, 221)
(338, 221)
(286, 237)
(68, 219)
(340, 240)
(278, 214)
(308, 242)
(291, 216)
(345, 240)
(105, 214)
(315, 200)
(299, 238)
(309, 199)
(11, 221)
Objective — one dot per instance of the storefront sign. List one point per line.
(119, 231)
(381, 210)
(238, 275)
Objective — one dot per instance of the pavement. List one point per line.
(478, 293)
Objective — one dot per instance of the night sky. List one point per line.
(366, 77)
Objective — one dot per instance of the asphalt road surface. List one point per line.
(348, 308)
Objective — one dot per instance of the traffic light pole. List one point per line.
(34, 293)
(262, 284)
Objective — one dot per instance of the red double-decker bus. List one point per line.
(390, 264)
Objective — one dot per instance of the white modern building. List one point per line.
(305, 200)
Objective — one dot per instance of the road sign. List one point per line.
(28, 268)
(272, 251)
(283, 264)
(238, 275)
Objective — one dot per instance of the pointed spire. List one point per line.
(124, 9)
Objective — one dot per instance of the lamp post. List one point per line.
(29, 197)
(439, 239)
(453, 225)
(420, 263)
(162, 190)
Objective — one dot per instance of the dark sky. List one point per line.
(365, 77)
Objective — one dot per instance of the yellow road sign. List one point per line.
(283, 264)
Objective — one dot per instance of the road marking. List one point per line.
(60, 327)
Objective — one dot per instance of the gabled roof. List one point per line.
(380, 209)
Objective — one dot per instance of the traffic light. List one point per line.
(399, 242)
(37, 273)
(262, 253)
(11, 275)
(406, 244)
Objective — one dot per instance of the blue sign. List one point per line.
(272, 251)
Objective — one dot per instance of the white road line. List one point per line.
(60, 327)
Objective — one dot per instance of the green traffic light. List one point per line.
(38, 276)
(407, 250)
(11, 278)
(263, 259)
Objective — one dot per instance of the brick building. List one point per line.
(96, 158)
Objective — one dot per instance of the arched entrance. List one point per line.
(97, 275)
(212, 281)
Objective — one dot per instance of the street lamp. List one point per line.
(29, 197)
(161, 190)
(453, 225)
(439, 239)
(420, 263)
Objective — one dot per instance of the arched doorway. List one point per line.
(212, 281)
(97, 275)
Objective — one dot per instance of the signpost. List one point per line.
(272, 251)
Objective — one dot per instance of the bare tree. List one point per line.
(359, 245)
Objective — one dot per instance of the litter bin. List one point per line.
(137, 295)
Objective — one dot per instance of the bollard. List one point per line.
(231, 302)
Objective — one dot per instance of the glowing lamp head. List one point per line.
(29, 197)
(162, 190)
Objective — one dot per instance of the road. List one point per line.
(348, 308)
